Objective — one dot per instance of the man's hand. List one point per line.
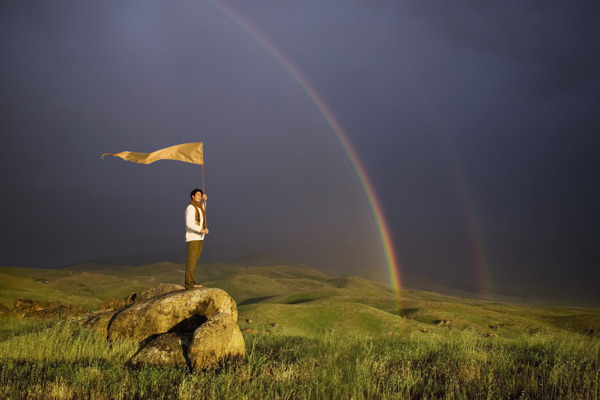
(204, 197)
(205, 231)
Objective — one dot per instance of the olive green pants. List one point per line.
(194, 249)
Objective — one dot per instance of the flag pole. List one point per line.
(202, 178)
(203, 191)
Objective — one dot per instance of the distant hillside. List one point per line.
(297, 299)
(90, 283)
(87, 285)
(501, 291)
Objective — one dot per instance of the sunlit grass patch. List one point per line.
(61, 360)
(62, 340)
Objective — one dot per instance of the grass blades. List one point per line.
(61, 360)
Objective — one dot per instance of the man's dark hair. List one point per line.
(194, 192)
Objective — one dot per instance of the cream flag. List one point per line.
(187, 152)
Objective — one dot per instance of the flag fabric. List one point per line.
(187, 152)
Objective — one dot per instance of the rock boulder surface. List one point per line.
(208, 348)
(114, 304)
(28, 308)
(164, 349)
(197, 328)
(180, 311)
(4, 310)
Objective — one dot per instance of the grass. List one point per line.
(61, 360)
(311, 337)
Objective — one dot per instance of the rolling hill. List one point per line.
(297, 299)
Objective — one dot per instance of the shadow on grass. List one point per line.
(300, 301)
(405, 312)
(254, 300)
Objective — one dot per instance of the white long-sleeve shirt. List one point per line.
(192, 231)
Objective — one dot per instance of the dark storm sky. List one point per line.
(477, 123)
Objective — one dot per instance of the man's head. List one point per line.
(197, 195)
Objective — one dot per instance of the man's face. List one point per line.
(198, 197)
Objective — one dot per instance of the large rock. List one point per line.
(216, 340)
(181, 311)
(194, 328)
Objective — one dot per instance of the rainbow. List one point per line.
(473, 230)
(374, 204)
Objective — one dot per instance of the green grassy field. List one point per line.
(308, 336)
(61, 360)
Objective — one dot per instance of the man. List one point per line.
(195, 230)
